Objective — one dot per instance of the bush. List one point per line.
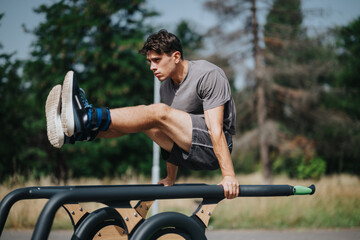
(313, 168)
(299, 167)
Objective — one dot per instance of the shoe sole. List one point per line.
(67, 109)
(53, 122)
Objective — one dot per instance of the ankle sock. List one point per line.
(99, 119)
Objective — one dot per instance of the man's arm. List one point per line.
(171, 175)
(214, 122)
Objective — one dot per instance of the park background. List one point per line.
(293, 67)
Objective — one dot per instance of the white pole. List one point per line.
(155, 171)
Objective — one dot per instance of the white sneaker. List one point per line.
(74, 110)
(67, 118)
(53, 120)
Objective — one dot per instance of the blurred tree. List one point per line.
(191, 41)
(338, 133)
(295, 123)
(349, 43)
(99, 40)
(310, 96)
(18, 149)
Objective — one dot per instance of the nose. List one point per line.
(153, 67)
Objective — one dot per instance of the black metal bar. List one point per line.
(23, 193)
(46, 192)
(148, 192)
(265, 190)
(120, 193)
(7, 203)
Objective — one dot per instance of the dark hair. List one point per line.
(162, 42)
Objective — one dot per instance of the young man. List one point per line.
(193, 126)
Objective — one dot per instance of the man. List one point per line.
(193, 126)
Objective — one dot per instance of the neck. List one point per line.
(181, 71)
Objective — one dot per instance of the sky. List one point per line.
(18, 12)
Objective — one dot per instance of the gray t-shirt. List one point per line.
(205, 87)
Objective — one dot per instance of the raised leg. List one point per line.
(80, 121)
(163, 124)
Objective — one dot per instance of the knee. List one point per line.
(160, 111)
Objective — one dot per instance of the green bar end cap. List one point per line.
(300, 190)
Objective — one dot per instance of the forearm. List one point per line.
(222, 153)
(171, 171)
(214, 119)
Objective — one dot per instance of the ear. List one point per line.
(177, 57)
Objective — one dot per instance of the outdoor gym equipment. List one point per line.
(122, 221)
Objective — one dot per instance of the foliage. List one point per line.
(297, 166)
(338, 138)
(311, 92)
(337, 130)
(231, 39)
(191, 41)
(18, 152)
(100, 41)
(283, 23)
(348, 40)
(302, 69)
(316, 91)
(314, 168)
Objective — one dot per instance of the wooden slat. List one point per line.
(111, 232)
(204, 213)
(171, 236)
(130, 216)
(143, 208)
(75, 211)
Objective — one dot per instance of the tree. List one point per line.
(304, 95)
(349, 42)
(191, 41)
(338, 135)
(99, 40)
(18, 149)
(284, 95)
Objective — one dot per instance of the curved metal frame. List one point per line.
(118, 195)
(95, 220)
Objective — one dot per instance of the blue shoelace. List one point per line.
(84, 100)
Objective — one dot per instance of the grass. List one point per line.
(336, 204)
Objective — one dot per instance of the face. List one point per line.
(162, 65)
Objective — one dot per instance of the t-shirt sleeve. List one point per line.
(162, 93)
(214, 89)
(165, 93)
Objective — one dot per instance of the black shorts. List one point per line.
(201, 155)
